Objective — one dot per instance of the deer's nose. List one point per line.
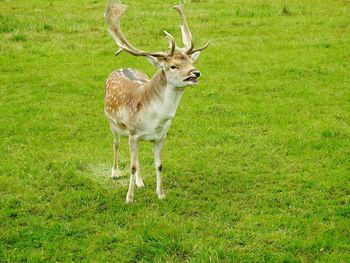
(196, 73)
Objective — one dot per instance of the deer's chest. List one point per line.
(156, 121)
(154, 125)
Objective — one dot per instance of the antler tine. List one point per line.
(114, 13)
(172, 44)
(200, 48)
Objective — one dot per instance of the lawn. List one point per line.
(256, 163)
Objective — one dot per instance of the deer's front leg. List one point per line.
(158, 146)
(134, 166)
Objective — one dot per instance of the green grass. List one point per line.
(257, 161)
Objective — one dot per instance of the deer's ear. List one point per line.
(195, 55)
(157, 62)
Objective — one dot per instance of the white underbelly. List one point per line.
(150, 130)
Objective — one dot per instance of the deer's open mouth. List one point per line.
(191, 79)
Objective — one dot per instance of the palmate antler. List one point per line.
(114, 13)
(186, 33)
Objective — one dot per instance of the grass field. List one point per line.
(256, 163)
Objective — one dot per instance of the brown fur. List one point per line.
(121, 91)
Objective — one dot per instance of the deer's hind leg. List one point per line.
(116, 142)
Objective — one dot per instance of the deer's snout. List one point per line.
(196, 73)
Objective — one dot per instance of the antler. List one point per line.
(114, 13)
(186, 33)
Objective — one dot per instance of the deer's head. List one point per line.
(177, 63)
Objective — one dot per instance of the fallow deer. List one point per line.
(143, 108)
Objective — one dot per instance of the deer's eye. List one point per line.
(173, 67)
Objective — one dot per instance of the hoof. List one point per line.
(115, 174)
(161, 196)
(139, 183)
(129, 199)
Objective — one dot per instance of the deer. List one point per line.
(142, 108)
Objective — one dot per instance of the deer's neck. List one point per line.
(167, 96)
